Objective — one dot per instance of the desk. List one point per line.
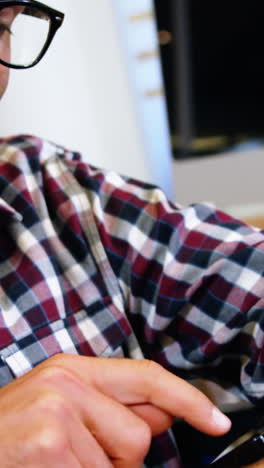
(257, 221)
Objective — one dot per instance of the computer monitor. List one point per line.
(213, 63)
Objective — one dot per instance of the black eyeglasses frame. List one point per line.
(56, 20)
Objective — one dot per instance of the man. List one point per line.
(97, 266)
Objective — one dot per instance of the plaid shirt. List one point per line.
(102, 265)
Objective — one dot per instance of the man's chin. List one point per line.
(2, 92)
(4, 78)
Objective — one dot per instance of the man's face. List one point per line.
(7, 16)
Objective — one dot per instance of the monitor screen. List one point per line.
(221, 47)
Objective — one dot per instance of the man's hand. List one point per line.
(259, 464)
(73, 411)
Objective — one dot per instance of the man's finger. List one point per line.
(87, 449)
(137, 382)
(259, 464)
(123, 435)
(157, 419)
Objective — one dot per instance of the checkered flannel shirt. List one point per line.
(101, 265)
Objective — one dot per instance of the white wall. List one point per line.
(85, 94)
(232, 180)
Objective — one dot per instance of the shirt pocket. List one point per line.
(98, 331)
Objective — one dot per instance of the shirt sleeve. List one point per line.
(192, 279)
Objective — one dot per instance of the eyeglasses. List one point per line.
(27, 28)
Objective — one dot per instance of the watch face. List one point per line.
(249, 448)
(241, 440)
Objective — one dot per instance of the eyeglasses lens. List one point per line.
(28, 29)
